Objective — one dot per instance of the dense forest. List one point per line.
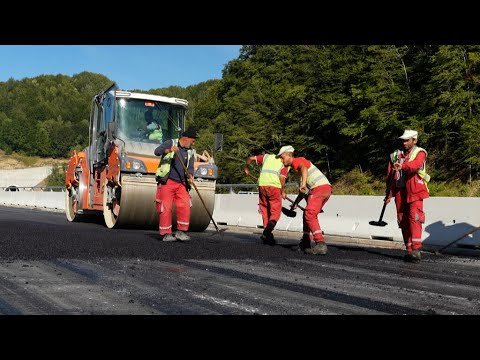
(343, 107)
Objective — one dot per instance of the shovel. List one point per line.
(380, 222)
(290, 212)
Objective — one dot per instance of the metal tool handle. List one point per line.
(293, 203)
(383, 211)
(198, 192)
(471, 231)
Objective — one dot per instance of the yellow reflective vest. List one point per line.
(413, 154)
(271, 167)
(315, 177)
(165, 164)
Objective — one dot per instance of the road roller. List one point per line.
(114, 176)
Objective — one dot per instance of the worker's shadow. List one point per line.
(388, 253)
(440, 234)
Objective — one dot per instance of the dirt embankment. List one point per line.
(17, 161)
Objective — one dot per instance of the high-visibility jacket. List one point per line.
(315, 177)
(413, 154)
(269, 175)
(415, 176)
(165, 164)
(156, 135)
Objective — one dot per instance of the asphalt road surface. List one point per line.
(51, 266)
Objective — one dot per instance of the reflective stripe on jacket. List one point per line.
(315, 177)
(422, 171)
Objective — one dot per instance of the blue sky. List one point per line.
(131, 66)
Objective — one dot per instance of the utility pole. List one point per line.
(328, 164)
(470, 175)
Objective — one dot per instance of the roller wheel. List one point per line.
(110, 211)
(71, 205)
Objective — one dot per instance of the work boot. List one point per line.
(416, 256)
(180, 235)
(413, 256)
(169, 237)
(320, 248)
(268, 239)
(304, 244)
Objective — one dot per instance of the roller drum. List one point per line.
(199, 218)
(137, 202)
(138, 208)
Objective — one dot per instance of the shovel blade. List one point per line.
(288, 212)
(378, 223)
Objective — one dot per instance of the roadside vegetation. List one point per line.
(342, 107)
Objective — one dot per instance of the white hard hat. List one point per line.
(409, 134)
(284, 149)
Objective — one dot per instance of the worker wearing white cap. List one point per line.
(270, 186)
(409, 134)
(318, 194)
(409, 179)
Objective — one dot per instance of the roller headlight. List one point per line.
(132, 165)
(136, 165)
(207, 171)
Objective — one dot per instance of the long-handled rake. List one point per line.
(471, 231)
(198, 193)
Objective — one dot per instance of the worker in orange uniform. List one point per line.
(173, 185)
(270, 185)
(319, 191)
(409, 188)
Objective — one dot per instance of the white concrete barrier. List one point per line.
(42, 199)
(447, 218)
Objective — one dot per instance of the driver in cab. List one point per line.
(153, 129)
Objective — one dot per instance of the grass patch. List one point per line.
(454, 188)
(57, 177)
(28, 161)
(356, 182)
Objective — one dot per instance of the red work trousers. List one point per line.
(316, 199)
(270, 205)
(168, 194)
(410, 217)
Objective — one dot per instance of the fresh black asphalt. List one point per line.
(51, 266)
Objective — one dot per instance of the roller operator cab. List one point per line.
(115, 174)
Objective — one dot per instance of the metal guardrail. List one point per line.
(32, 188)
(230, 187)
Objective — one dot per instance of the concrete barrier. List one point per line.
(447, 218)
(41, 199)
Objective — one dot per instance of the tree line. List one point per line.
(343, 107)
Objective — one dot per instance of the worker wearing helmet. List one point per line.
(173, 185)
(409, 188)
(270, 184)
(319, 191)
